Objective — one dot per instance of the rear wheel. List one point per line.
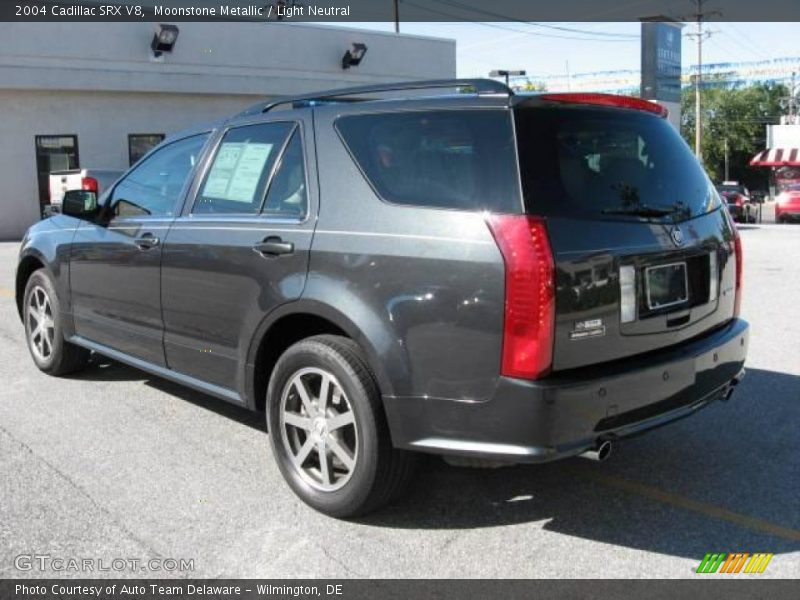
(44, 331)
(328, 431)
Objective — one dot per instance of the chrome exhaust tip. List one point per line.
(600, 452)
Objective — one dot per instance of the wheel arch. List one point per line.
(291, 323)
(28, 264)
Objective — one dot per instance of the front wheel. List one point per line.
(43, 328)
(328, 431)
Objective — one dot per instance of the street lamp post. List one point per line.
(506, 74)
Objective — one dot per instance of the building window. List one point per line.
(54, 153)
(140, 144)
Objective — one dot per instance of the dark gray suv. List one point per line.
(480, 274)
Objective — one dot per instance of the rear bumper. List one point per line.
(564, 415)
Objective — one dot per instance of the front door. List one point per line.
(115, 262)
(239, 250)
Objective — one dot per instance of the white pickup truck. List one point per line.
(95, 180)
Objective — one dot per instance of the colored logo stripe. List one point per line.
(758, 563)
(735, 562)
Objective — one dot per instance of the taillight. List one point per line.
(89, 184)
(737, 248)
(529, 323)
(607, 100)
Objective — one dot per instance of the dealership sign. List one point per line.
(661, 61)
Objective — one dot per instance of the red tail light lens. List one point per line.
(737, 247)
(608, 100)
(89, 184)
(528, 330)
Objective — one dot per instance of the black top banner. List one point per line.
(523, 11)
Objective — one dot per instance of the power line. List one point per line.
(513, 30)
(494, 15)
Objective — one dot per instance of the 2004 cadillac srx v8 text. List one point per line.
(501, 277)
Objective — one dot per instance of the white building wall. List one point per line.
(100, 82)
(783, 136)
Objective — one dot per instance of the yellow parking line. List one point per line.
(709, 510)
(6, 292)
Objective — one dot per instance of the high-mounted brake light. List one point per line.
(607, 100)
(737, 248)
(529, 325)
(89, 184)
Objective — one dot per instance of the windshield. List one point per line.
(596, 162)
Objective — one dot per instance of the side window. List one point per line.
(287, 196)
(459, 159)
(239, 173)
(153, 188)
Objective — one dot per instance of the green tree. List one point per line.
(738, 114)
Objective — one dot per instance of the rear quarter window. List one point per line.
(456, 159)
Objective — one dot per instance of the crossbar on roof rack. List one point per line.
(479, 86)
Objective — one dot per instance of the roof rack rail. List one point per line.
(479, 86)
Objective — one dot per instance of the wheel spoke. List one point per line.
(324, 390)
(296, 420)
(324, 467)
(302, 455)
(304, 397)
(340, 420)
(33, 314)
(342, 453)
(46, 344)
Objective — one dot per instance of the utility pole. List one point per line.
(790, 103)
(699, 36)
(569, 79)
(397, 16)
(727, 175)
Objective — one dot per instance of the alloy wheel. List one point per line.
(318, 429)
(41, 326)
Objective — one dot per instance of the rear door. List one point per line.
(643, 252)
(240, 249)
(115, 262)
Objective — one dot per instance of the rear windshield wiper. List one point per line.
(641, 211)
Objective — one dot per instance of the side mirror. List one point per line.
(81, 204)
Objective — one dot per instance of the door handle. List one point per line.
(274, 246)
(147, 241)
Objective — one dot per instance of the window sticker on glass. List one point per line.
(236, 171)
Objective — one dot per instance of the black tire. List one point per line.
(63, 357)
(381, 472)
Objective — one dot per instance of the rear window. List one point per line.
(731, 189)
(587, 162)
(457, 159)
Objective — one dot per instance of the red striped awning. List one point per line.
(777, 157)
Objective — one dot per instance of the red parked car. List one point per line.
(787, 204)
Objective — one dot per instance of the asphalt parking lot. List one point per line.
(113, 463)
